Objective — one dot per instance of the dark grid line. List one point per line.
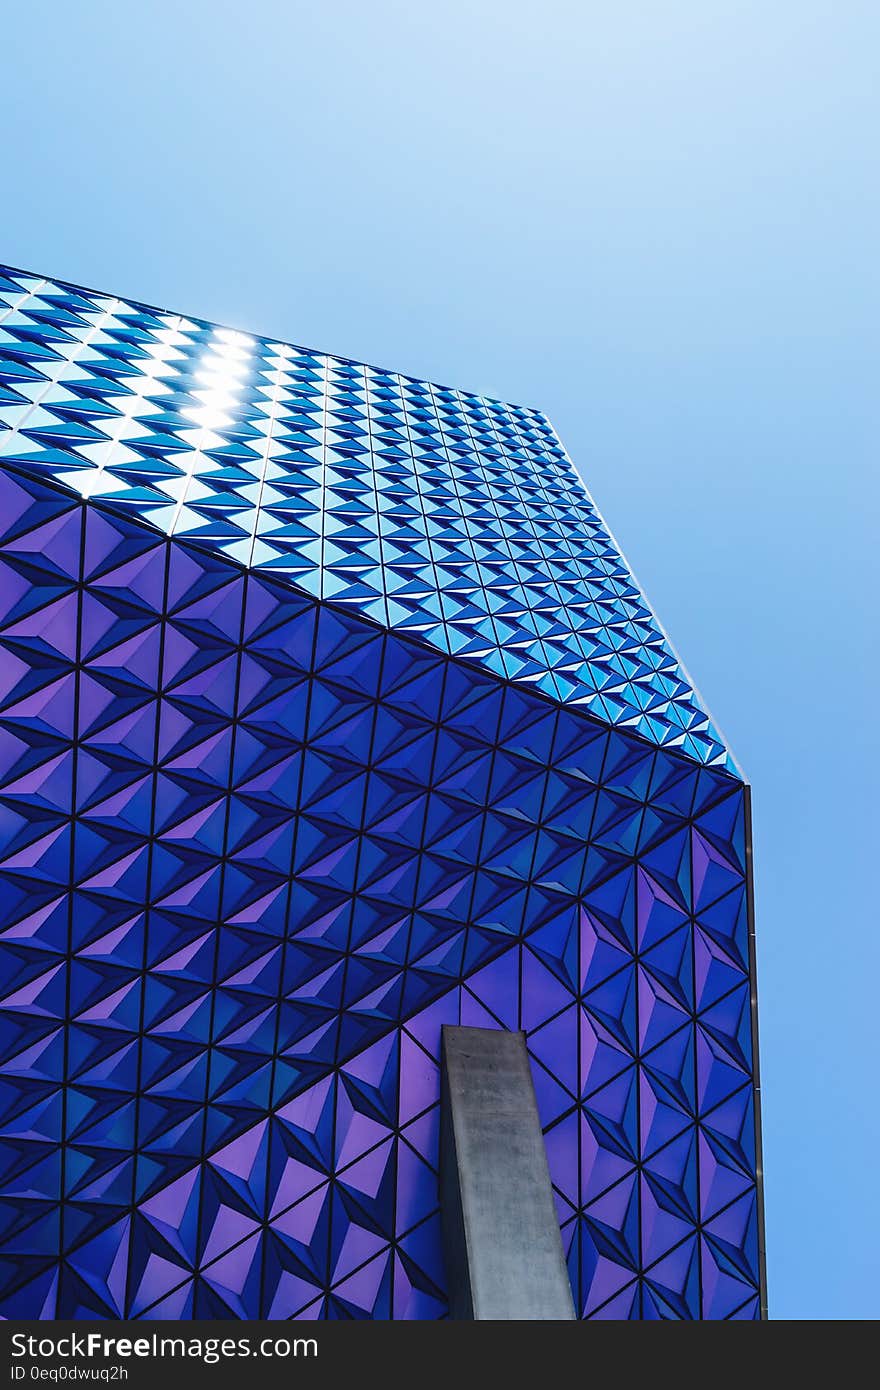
(154, 775)
(65, 1089)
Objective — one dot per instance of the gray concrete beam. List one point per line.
(503, 1248)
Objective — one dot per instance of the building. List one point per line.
(331, 714)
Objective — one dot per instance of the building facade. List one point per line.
(330, 713)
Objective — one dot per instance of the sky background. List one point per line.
(659, 223)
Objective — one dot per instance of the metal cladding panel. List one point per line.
(258, 845)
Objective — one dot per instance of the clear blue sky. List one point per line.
(659, 223)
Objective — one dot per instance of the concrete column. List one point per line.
(501, 1234)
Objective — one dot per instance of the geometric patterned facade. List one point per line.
(457, 519)
(314, 738)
